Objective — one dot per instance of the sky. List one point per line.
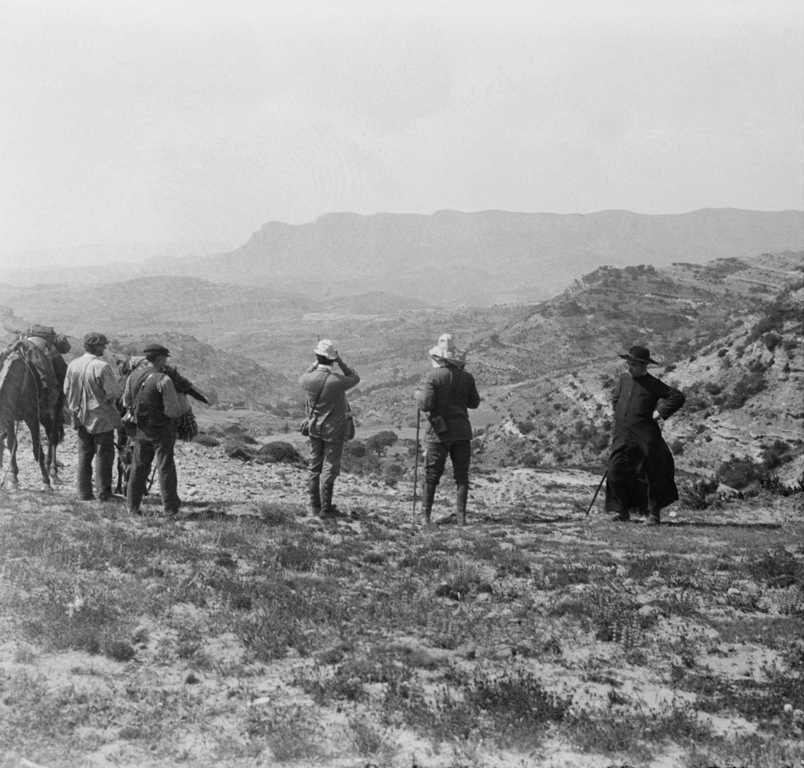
(197, 122)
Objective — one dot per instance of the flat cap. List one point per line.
(153, 350)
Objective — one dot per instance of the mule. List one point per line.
(20, 400)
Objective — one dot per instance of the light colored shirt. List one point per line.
(91, 389)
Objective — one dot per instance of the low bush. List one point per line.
(278, 451)
(749, 385)
(775, 455)
(740, 473)
(378, 442)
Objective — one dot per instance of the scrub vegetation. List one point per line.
(267, 637)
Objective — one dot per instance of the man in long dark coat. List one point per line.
(641, 469)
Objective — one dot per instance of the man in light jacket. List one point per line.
(330, 423)
(91, 389)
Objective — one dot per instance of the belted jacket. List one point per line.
(327, 406)
(448, 391)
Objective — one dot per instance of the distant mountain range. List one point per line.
(450, 257)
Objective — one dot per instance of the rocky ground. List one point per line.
(245, 633)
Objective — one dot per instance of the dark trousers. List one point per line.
(100, 447)
(143, 454)
(459, 451)
(325, 466)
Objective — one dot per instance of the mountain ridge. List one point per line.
(455, 257)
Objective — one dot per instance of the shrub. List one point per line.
(379, 442)
(777, 454)
(750, 385)
(771, 340)
(278, 451)
(739, 473)
(206, 440)
(530, 460)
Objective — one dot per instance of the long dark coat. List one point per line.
(641, 468)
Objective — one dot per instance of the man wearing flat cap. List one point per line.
(150, 397)
(91, 389)
(444, 396)
(329, 423)
(641, 471)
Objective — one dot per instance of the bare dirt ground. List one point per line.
(245, 633)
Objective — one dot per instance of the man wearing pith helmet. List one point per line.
(150, 396)
(641, 471)
(91, 389)
(330, 423)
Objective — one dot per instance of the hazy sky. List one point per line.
(190, 121)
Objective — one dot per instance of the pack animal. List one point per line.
(21, 400)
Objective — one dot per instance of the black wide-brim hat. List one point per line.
(639, 354)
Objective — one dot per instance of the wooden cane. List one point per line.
(594, 498)
(416, 462)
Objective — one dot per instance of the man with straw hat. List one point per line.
(444, 396)
(329, 423)
(641, 471)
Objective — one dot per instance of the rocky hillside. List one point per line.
(481, 258)
(738, 356)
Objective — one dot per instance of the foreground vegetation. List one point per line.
(271, 638)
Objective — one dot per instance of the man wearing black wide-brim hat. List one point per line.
(641, 471)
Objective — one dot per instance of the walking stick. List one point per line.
(416, 462)
(153, 474)
(594, 498)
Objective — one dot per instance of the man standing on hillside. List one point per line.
(445, 394)
(330, 423)
(641, 471)
(91, 389)
(150, 396)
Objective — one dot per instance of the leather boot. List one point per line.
(461, 496)
(429, 497)
(328, 509)
(314, 492)
(654, 515)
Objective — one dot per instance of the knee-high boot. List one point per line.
(328, 509)
(429, 497)
(461, 497)
(314, 493)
